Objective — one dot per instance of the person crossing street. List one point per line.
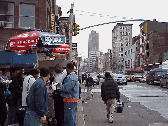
(89, 84)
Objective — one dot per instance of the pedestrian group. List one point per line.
(30, 102)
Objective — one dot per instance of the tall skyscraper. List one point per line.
(93, 50)
(93, 42)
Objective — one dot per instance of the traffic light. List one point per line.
(75, 29)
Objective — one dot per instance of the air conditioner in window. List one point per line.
(2, 23)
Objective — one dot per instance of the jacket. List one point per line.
(109, 90)
(89, 81)
(38, 99)
(25, 86)
(70, 87)
(16, 92)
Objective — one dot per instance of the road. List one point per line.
(144, 105)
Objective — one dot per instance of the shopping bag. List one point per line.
(119, 107)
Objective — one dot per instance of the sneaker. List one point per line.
(111, 119)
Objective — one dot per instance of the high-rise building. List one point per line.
(121, 39)
(93, 42)
(93, 51)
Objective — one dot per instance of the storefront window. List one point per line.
(26, 15)
(7, 14)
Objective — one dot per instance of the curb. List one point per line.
(80, 114)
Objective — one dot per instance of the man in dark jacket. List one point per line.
(89, 83)
(37, 106)
(109, 93)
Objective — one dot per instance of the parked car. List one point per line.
(155, 75)
(120, 79)
(95, 78)
(137, 77)
(164, 81)
(143, 79)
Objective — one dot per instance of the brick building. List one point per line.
(157, 44)
(150, 54)
(16, 16)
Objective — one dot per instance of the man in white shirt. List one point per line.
(28, 82)
(59, 76)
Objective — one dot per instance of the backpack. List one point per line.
(28, 89)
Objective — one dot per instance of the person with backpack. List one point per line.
(27, 83)
(89, 84)
(110, 93)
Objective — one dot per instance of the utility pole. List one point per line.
(70, 31)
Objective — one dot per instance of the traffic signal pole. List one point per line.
(70, 31)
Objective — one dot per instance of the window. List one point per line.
(121, 49)
(128, 52)
(126, 44)
(7, 14)
(131, 51)
(26, 15)
(120, 33)
(121, 44)
(121, 54)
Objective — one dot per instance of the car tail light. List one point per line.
(155, 78)
(145, 78)
(127, 77)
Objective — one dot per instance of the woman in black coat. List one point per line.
(3, 109)
(13, 99)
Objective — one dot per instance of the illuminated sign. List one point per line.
(52, 23)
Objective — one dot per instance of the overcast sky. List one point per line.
(93, 12)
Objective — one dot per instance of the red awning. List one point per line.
(62, 49)
(32, 35)
(23, 41)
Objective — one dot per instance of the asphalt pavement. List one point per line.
(134, 114)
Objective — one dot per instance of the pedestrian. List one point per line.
(70, 93)
(110, 93)
(89, 84)
(59, 75)
(37, 105)
(20, 79)
(27, 83)
(3, 109)
(14, 98)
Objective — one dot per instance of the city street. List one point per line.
(144, 105)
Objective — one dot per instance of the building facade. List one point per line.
(121, 39)
(16, 16)
(153, 42)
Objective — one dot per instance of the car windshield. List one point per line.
(93, 75)
(139, 74)
(159, 73)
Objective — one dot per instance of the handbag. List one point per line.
(7, 92)
(119, 107)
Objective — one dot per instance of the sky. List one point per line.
(93, 12)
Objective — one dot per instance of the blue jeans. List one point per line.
(11, 119)
(31, 120)
(70, 109)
